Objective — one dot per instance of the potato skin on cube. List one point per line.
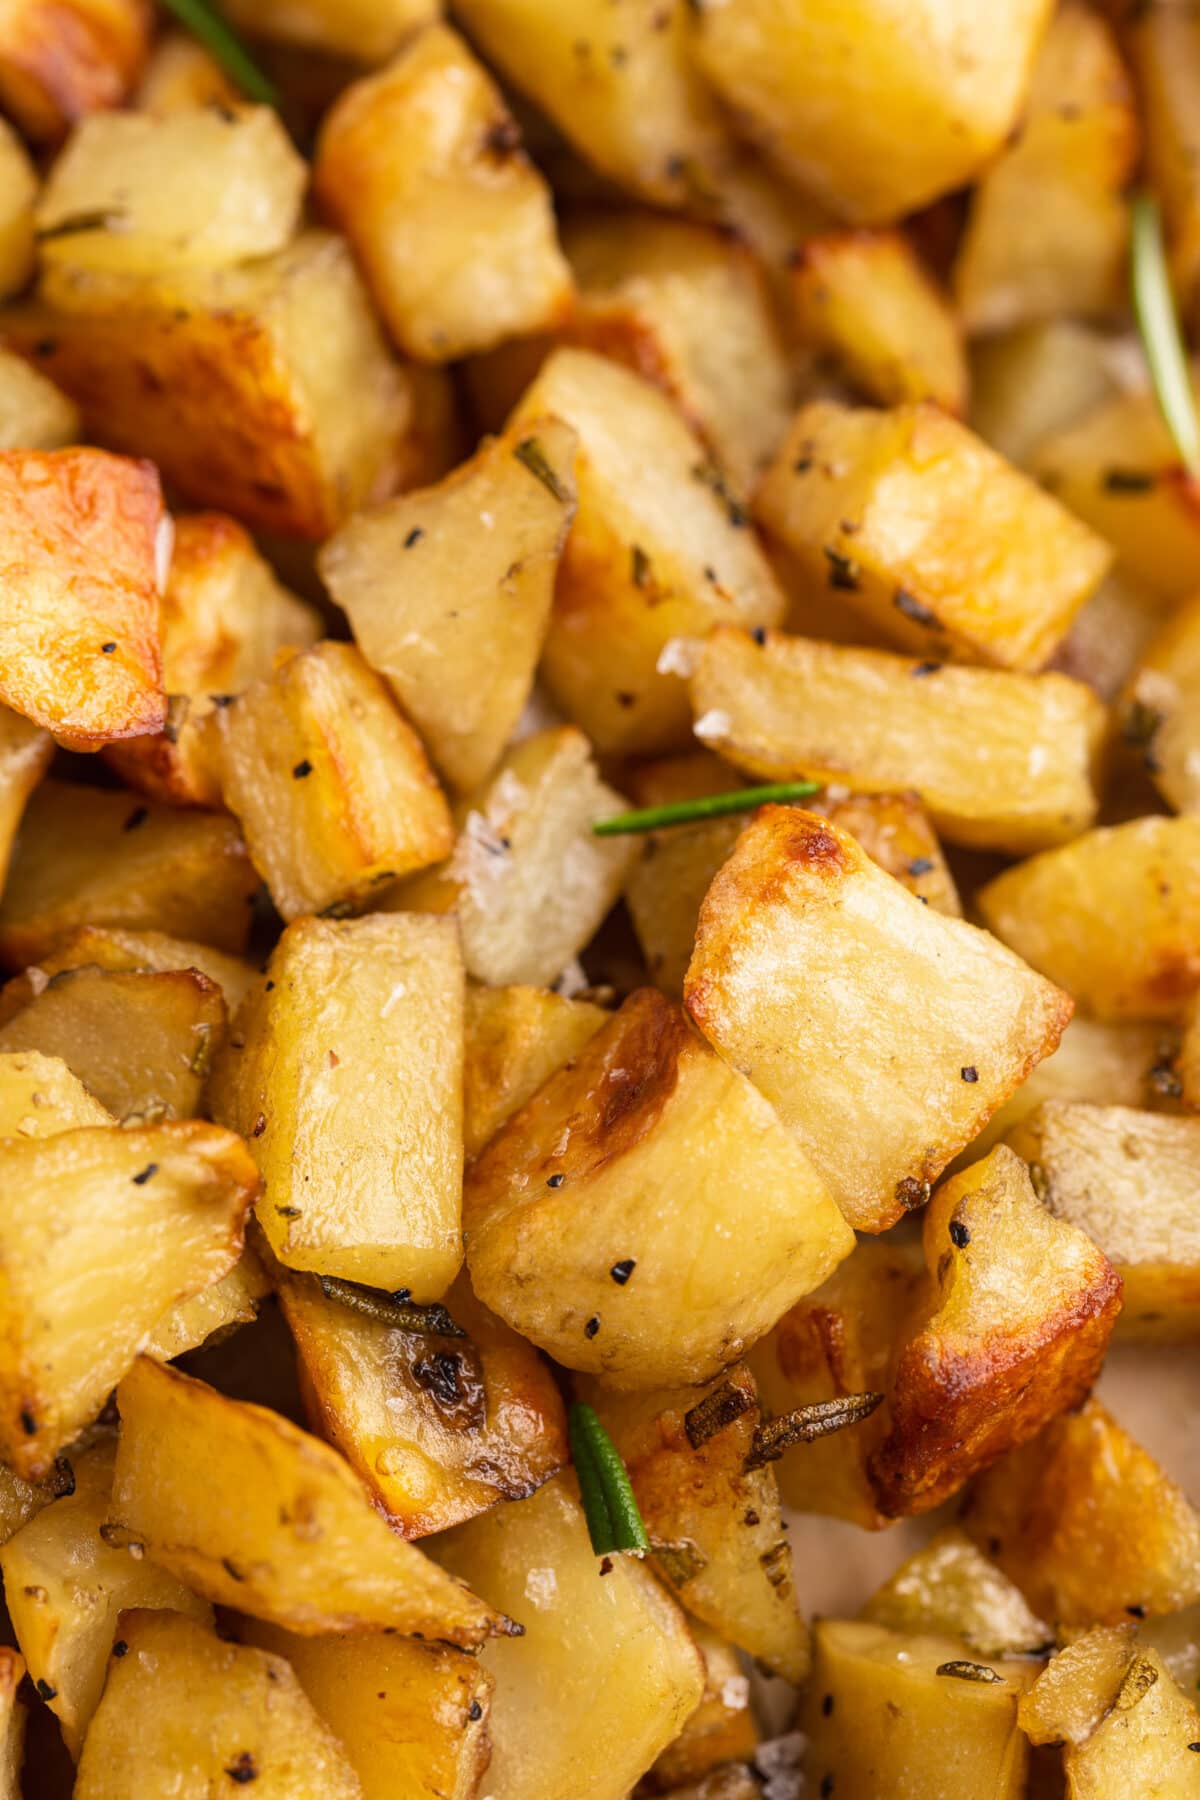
(740, 1227)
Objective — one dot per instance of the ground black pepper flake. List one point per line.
(802, 465)
(259, 1126)
(302, 769)
(1128, 481)
(843, 573)
(120, 1648)
(826, 1705)
(414, 536)
(45, 1689)
(926, 668)
(137, 817)
(1195, 1747)
(912, 608)
(969, 1072)
(750, 1517)
(640, 571)
(592, 1327)
(288, 1212)
(28, 1422)
(555, 1181)
(606, 1565)
(474, 1712)
(243, 1768)
(960, 1237)
(144, 1175)
(1136, 1612)
(826, 1787)
(502, 138)
(108, 648)
(621, 1271)
(232, 1570)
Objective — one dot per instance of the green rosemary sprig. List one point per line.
(707, 806)
(613, 1519)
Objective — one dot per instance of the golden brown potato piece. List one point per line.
(893, 1713)
(105, 947)
(555, 1729)
(182, 1704)
(363, 30)
(329, 780)
(1001, 761)
(714, 1522)
(84, 1207)
(18, 191)
(438, 1428)
(39, 1097)
(1110, 636)
(949, 1588)
(810, 964)
(1131, 1180)
(88, 857)
(25, 753)
(900, 511)
(561, 1243)
(264, 389)
(345, 1075)
(864, 300)
(411, 1718)
(1077, 1687)
(63, 59)
(528, 880)
(34, 414)
(421, 166)
(1013, 1333)
(224, 619)
(1163, 44)
(873, 114)
(1087, 1524)
(720, 1731)
(65, 1587)
(84, 538)
(180, 73)
(658, 549)
(1048, 228)
(216, 1309)
(1160, 708)
(1127, 1725)
(255, 1514)
(1028, 383)
(516, 1037)
(1114, 916)
(448, 592)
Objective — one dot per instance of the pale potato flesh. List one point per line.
(516, 1037)
(951, 1589)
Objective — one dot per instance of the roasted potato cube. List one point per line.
(722, 1728)
(1114, 917)
(199, 188)
(562, 1245)
(810, 964)
(1131, 1181)
(439, 1429)
(555, 1729)
(39, 1097)
(180, 74)
(1028, 383)
(1077, 1687)
(18, 190)
(1087, 1524)
(902, 510)
(717, 1521)
(65, 1586)
(34, 414)
(25, 753)
(658, 550)
(1048, 228)
(84, 539)
(1160, 708)
(1014, 1333)
(84, 1207)
(863, 299)
(528, 880)
(218, 1308)
(873, 115)
(449, 591)
(88, 857)
(516, 1037)
(329, 781)
(1001, 761)
(421, 166)
(101, 947)
(889, 1713)
(1143, 1743)
(182, 1704)
(63, 59)
(1163, 43)
(255, 1514)
(349, 1091)
(264, 389)
(366, 31)
(949, 1588)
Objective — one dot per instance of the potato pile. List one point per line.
(543, 414)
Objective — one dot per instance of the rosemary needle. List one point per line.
(609, 1506)
(210, 29)
(707, 806)
(1158, 323)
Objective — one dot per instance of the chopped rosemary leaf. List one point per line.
(1162, 340)
(529, 451)
(210, 29)
(715, 1412)
(706, 806)
(962, 1670)
(613, 1520)
(805, 1423)
(391, 1309)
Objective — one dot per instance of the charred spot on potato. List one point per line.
(243, 1769)
(912, 608)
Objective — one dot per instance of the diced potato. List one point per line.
(516, 1037)
(65, 1586)
(198, 188)
(348, 1087)
(1110, 636)
(363, 30)
(1114, 917)
(1163, 43)
(874, 112)
(34, 414)
(329, 780)
(1030, 382)
(63, 59)
(950, 1589)
(421, 166)
(439, 1429)
(25, 753)
(21, 1500)
(449, 591)
(1176, 1638)
(902, 511)
(528, 880)
(1087, 1524)
(39, 1097)
(863, 299)
(1189, 1058)
(180, 74)
(1144, 1742)
(1160, 708)
(181, 1704)
(141, 1042)
(84, 535)
(1001, 760)
(216, 1309)
(88, 857)
(18, 190)
(561, 1243)
(658, 550)
(411, 1718)
(255, 1514)
(555, 1728)
(810, 964)
(1048, 228)
(1014, 1333)
(839, 1341)
(889, 1713)
(263, 389)
(1078, 1686)
(1131, 1180)
(103, 947)
(83, 1208)
(723, 1549)
(12, 1724)
(722, 1728)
